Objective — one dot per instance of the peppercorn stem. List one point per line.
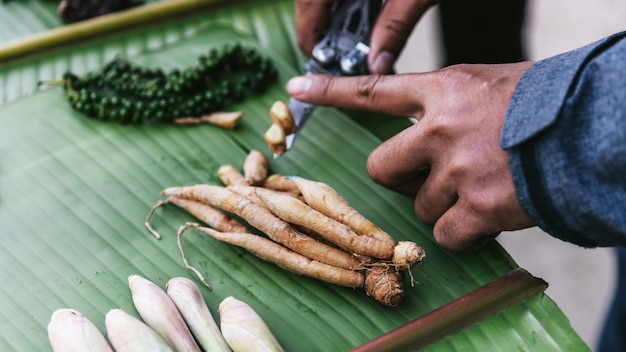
(506, 291)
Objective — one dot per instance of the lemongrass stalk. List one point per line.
(69, 330)
(159, 312)
(191, 305)
(100, 26)
(243, 328)
(129, 334)
(506, 291)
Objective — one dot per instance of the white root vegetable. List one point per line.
(407, 254)
(191, 305)
(285, 258)
(244, 329)
(255, 168)
(261, 218)
(297, 212)
(70, 331)
(129, 334)
(209, 215)
(329, 202)
(385, 284)
(159, 312)
(279, 182)
(230, 176)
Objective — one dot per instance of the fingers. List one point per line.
(400, 95)
(461, 228)
(405, 164)
(437, 194)
(393, 27)
(402, 162)
(312, 20)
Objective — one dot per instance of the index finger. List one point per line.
(401, 95)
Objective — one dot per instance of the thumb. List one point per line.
(393, 27)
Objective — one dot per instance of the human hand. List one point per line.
(393, 27)
(450, 160)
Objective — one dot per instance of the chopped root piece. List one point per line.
(230, 176)
(297, 212)
(385, 285)
(226, 120)
(276, 139)
(255, 168)
(281, 115)
(262, 218)
(285, 258)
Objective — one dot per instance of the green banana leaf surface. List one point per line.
(74, 194)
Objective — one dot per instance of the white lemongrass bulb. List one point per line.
(129, 334)
(158, 311)
(70, 331)
(191, 305)
(243, 329)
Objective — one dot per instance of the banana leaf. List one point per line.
(74, 193)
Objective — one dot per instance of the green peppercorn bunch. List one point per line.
(127, 93)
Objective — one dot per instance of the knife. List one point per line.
(342, 52)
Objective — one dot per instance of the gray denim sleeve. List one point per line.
(565, 134)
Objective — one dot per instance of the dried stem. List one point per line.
(99, 26)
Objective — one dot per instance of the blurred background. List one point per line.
(581, 280)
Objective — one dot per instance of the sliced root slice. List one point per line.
(276, 139)
(281, 115)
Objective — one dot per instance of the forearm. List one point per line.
(565, 133)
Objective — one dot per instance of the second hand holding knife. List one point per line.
(342, 52)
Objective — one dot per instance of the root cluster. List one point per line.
(310, 229)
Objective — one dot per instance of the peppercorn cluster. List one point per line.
(127, 93)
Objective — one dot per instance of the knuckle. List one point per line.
(366, 87)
